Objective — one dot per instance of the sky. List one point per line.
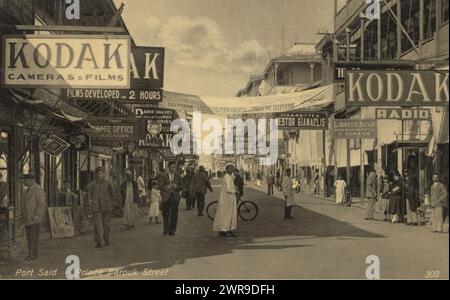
(213, 46)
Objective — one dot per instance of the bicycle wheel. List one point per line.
(211, 209)
(248, 211)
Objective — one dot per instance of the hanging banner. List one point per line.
(115, 129)
(354, 129)
(312, 120)
(83, 61)
(160, 115)
(396, 88)
(146, 82)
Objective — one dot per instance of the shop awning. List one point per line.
(57, 111)
(310, 99)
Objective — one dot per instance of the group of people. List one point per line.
(397, 198)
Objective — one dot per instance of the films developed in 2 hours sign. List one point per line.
(147, 80)
(88, 61)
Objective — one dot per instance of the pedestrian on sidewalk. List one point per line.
(340, 185)
(270, 183)
(396, 202)
(155, 201)
(278, 180)
(33, 211)
(141, 189)
(385, 195)
(258, 179)
(100, 195)
(439, 201)
(288, 193)
(412, 201)
(371, 194)
(317, 183)
(186, 193)
(239, 183)
(199, 186)
(170, 186)
(130, 199)
(225, 220)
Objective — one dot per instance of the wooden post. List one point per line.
(399, 29)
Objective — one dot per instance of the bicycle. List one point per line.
(247, 210)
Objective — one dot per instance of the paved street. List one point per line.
(323, 241)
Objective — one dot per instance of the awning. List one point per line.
(310, 99)
(57, 111)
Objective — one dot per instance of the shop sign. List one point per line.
(153, 134)
(136, 162)
(315, 120)
(116, 129)
(146, 82)
(403, 114)
(396, 88)
(82, 61)
(54, 145)
(158, 115)
(354, 129)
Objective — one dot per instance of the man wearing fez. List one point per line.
(100, 194)
(170, 186)
(33, 211)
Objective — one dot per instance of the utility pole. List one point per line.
(348, 169)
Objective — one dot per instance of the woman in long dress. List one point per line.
(225, 220)
(340, 186)
(155, 201)
(130, 196)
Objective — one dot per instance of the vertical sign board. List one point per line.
(147, 80)
(154, 126)
(396, 88)
(57, 61)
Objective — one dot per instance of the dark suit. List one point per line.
(101, 194)
(170, 199)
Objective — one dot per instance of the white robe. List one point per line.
(340, 191)
(226, 213)
(129, 210)
(288, 191)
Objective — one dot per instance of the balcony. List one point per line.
(350, 11)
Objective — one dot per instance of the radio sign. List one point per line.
(83, 61)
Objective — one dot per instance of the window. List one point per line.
(429, 18)
(410, 20)
(444, 12)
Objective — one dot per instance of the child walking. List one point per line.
(155, 200)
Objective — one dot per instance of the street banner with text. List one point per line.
(82, 61)
(354, 129)
(313, 120)
(396, 88)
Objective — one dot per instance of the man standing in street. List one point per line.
(270, 184)
(288, 193)
(317, 182)
(170, 186)
(225, 220)
(412, 201)
(33, 211)
(100, 194)
(186, 194)
(239, 183)
(439, 201)
(199, 186)
(371, 194)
